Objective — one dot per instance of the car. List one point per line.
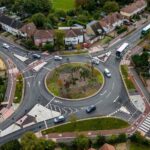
(90, 109)
(59, 119)
(95, 60)
(56, 57)
(107, 73)
(36, 56)
(6, 46)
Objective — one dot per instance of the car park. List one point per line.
(6, 46)
(56, 57)
(90, 109)
(95, 60)
(59, 119)
(36, 56)
(107, 73)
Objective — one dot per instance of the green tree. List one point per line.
(12, 145)
(81, 143)
(111, 6)
(59, 39)
(99, 141)
(30, 142)
(39, 20)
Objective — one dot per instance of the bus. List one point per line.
(145, 30)
(121, 50)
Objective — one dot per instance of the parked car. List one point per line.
(90, 109)
(6, 46)
(107, 73)
(36, 56)
(95, 60)
(56, 57)
(59, 119)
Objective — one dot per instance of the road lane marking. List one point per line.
(29, 77)
(47, 68)
(49, 102)
(103, 92)
(39, 82)
(108, 95)
(29, 84)
(115, 99)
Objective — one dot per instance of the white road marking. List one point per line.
(47, 68)
(113, 85)
(49, 102)
(29, 84)
(103, 92)
(108, 94)
(39, 82)
(29, 77)
(115, 99)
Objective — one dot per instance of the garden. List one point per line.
(74, 81)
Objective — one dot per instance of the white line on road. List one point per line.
(113, 85)
(49, 102)
(29, 84)
(115, 99)
(108, 94)
(103, 92)
(29, 77)
(47, 68)
(39, 82)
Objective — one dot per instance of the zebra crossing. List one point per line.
(145, 126)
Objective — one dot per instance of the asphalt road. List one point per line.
(111, 98)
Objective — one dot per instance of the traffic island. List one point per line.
(74, 81)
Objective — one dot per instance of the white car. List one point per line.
(107, 73)
(6, 46)
(59, 119)
(95, 60)
(56, 57)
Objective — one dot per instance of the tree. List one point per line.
(39, 19)
(111, 6)
(99, 141)
(30, 142)
(81, 143)
(47, 144)
(59, 39)
(12, 145)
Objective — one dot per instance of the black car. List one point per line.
(90, 109)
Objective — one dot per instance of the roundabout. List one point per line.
(74, 81)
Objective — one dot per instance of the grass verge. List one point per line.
(19, 88)
(74, 52)
(128, 81)
(136, 146)
(89, 125)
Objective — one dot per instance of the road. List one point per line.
(112, 97)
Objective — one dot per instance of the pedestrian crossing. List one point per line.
(145, 126)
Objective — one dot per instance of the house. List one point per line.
(41, 37)
(73, 35)
(110, 22)
(28, 30)
(10, 25)
(94, 29)
(134, 8)
(107, 147)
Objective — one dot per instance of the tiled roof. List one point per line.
(96, 27)
(111, 19)
(73, 32)
(43, 34)
(107, 147)
(134, 6)
(10, 22)
(29, 29)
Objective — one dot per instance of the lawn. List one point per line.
(105, 40)
(135, 146)
(89, 125)
(18, 90)
(128, 81)
(63, 4)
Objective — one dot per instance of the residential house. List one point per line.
(28, 30)
(107, 147)
(94, 29)
(134, 8)
(41, 37)
(73, 35)
(10, 25)
(110, 22)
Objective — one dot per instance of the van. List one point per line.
(107, 73)
(36, 56)
(95, 60)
